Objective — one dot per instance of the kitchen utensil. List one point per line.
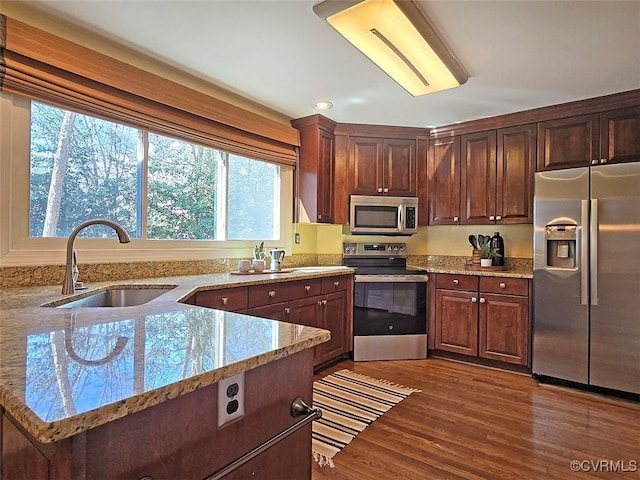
(277, 255)
(473, 241)
(481, 240)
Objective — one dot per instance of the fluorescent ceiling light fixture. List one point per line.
(396, 36)
(323, 105)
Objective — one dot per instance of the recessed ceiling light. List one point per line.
(323, 105)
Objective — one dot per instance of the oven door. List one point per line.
(389, 318)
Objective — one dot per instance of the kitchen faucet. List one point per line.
(71, 269)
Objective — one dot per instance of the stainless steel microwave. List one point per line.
(373, 215)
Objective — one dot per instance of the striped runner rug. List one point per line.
(349, 403)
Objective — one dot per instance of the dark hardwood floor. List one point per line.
(474, 422)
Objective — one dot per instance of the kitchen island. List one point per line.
(131, 392)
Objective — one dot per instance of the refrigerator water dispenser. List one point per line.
(561, 246)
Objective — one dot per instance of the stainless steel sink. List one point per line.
(116, 296)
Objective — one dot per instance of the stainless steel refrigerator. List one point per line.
(586, 278)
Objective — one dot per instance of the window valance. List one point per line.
(54, 70)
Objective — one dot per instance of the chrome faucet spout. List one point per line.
(71, 268)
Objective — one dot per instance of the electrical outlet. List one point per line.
(230, 399)
(297, 238)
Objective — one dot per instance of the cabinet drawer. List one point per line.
(505, 285)
(267, 294)
(305, 288)
(230, 299)
(334, 284)
(457, 282)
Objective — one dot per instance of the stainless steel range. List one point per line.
(390, 302)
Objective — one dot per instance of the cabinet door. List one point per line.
(504, 328)
(515, 167)
(325, 178)
(333, 319)
(478, 178)
(365, 175)
(19, 458)
(457, 322)
(620, 136)
(399, 167)
(444, 181)
(568, 142)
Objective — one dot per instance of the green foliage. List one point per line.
(487, 252)
(185, 194)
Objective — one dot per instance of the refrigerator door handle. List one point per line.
(593, 264)
(584, 258)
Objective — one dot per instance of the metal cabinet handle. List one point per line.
(225, 300)
(386, 190)
(503, 285)
(594, 161)
(455, 219)
(320, 302)
(379, 189)
(603, 160)
(483, 300)
(307, 288)
(491, 217)
(498, 217)
(336, 284)
(456, 281)
(287, 311)
(272, 293)
(474, 299)
(324, 302)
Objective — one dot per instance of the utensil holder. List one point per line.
(475, 257)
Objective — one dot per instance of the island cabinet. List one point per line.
(591, 139)
(316, 302)
(482, 178)
(179, 438)
(315, 169)
(486, 317)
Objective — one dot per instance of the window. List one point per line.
(83, 167)
(177, 199)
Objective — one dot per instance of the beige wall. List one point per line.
(435, 240)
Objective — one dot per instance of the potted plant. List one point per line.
(258, 258)
(487, 254)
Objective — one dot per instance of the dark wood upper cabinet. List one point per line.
(399, 167)
(478, 178)
(568, 142)
(515, 166)
(443, 163)
(365, 166)
(580, 141)
(620, 135)
(483, 178)
(380, 166)
(315, 172)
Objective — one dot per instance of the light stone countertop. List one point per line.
(64, 371)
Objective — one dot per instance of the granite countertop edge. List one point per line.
(24, 304)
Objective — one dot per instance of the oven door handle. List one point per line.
(390, 278)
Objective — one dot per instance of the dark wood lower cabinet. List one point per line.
(486, 317)
(180, 437)
(318, 302)
(457, 324)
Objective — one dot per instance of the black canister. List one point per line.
(497, 242)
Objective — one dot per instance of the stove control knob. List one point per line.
(389, 247)
(402, 248)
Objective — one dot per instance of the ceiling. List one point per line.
(520, 54)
